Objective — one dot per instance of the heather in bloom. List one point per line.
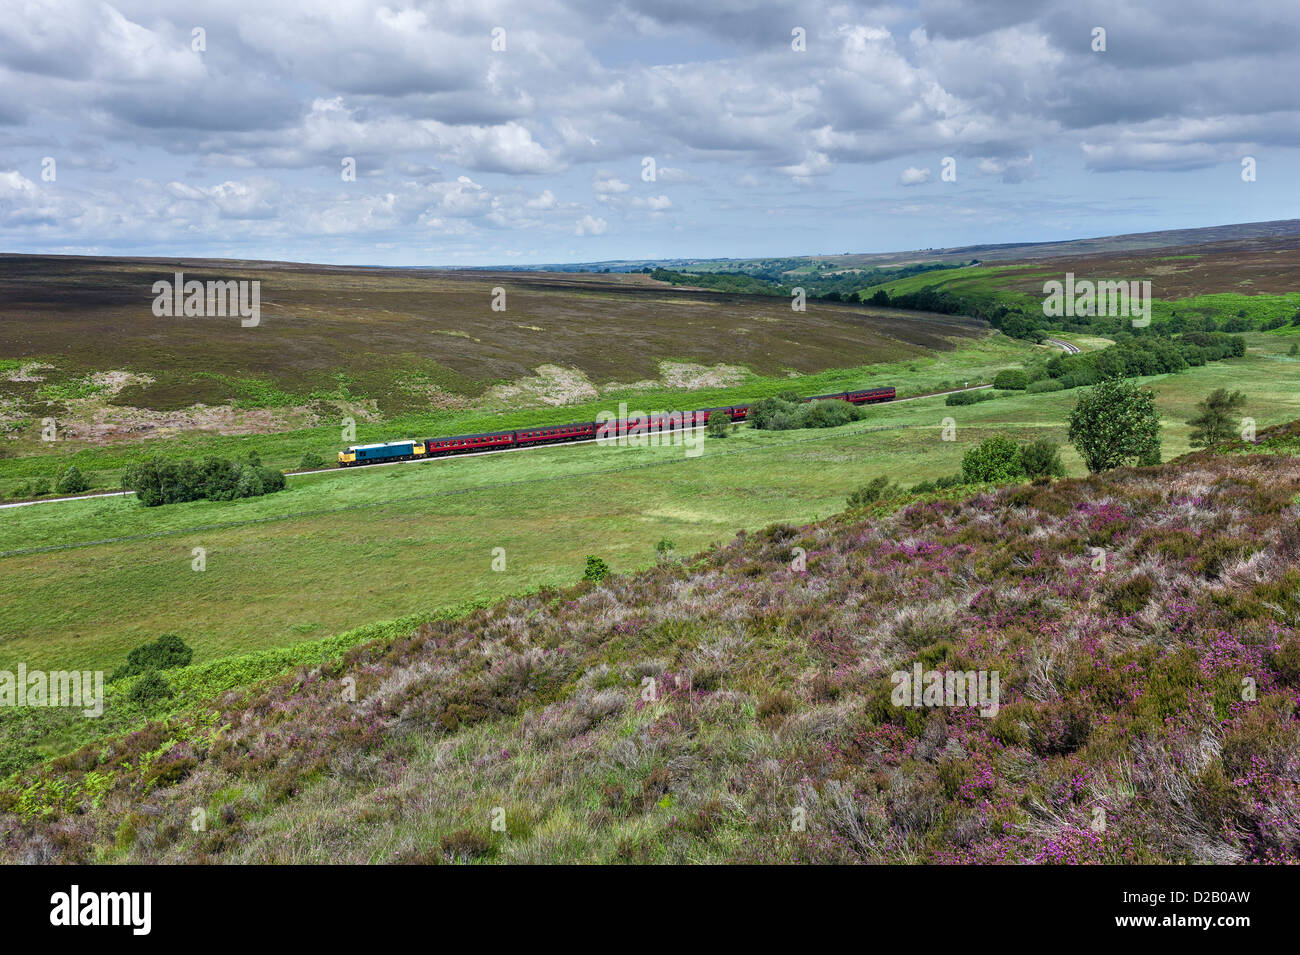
(739, 706)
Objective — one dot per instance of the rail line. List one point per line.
(451, 457)
(496, 485)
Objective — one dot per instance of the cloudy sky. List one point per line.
(485, 132)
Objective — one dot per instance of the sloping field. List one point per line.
(741, 706)
(87, 580)
(1254, 279)
(1287, 229)
(406, 340)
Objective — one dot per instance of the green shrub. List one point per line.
(311, 460)
(166, 653)
(877, 489)
(1011, 379)
(787, 412)
(596, 569)
(71, 481)
(1041, 458)
(960, 398)
(996, 459)
(765, 413)
(150, 688)
(719, 425)
(1045, 384)
(827, 414)
(40, 487)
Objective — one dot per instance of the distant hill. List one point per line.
(401, 340)
(739, 706)
(998, 252)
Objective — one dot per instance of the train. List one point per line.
(419, 449)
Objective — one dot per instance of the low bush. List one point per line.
(166, 653)
(1041, 458)
(971, 397)
(151, 688)
(1045, 384)
(996, 459)
(596, 569)
(788, 412)
(877, 489)
(71, 481)
(1011, 379)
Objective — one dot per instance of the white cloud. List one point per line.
(546, 200)
(607, 184)
(653, 203)
(589, 225)
(911, 176)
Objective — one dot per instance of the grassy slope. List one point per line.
(1021, 286)
(409, 539)
(1120, 699)
(973, 359)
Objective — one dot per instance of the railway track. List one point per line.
(1069, 349)
(451, 457)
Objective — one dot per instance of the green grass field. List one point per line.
(339, 550)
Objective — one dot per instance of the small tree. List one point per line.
(719, 425)
(71, 481)
(996, 459)
(597, 569)
(1213, 422)
(1041, 459)
(1114, 423)
(311, 460)
(1011, 379)
(149, 689)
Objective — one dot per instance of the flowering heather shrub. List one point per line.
(733, 708)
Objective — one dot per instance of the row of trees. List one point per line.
(788, 411)
(158, 482)
(1113, 424)
(1144, 355)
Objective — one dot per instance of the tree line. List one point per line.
(158, 482)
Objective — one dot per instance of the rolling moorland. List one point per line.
(1121, 700)
(88, 580)
(402, 556)
(397, 351)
